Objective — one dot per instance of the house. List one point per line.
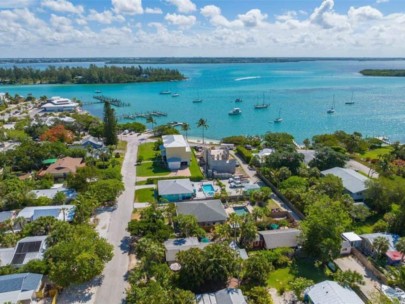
(207, 212)
(176, 189)
(89, 142)
(330, 292)
(5, 216)
(176, 151)
(223, 296)
(60, 212)
(50, 121)
(249, 188)
(62, 167)
(19, 287)
(2, 97)
(353, 182)
(219, 161)
(350, 240)
(27, 249)
(280, 238)
(261, 156)
(51, 193)
(393, 256)
(174, 246)
(58, 104)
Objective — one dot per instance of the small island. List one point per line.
(383, 73)
(86, 75)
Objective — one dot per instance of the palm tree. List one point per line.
(202, 123)
(381, 245)
(150, 120)
(400, 246)
(235, 221)
(185, 127)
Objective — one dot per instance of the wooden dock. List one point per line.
(145, 115)
(105, 99)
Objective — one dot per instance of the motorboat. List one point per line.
(235, 111)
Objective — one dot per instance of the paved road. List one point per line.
(112, 288)
(245, 167)
(355, 165)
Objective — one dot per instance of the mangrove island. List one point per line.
(383, 73)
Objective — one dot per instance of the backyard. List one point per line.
(374, 154)
(280, 278)
(145, 195)
(151, 164)
(195, 170)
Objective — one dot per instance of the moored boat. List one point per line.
(235, 111)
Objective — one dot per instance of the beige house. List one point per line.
(176, 151)
(62, 167)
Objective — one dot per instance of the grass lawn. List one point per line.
(151, 169)
(195, 168)
(300, 268)
(140, 183)
(122, 145)
(145, 195)
(146, 150)
(367, 225)
(272, 204)
(373, 154)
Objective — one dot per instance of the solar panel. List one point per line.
(18, 259)
(28, 247)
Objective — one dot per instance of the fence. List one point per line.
(369, 266)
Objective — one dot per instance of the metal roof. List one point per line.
(352, 181)
(19, 287)
(174, 246)
(280, 238)
(351, 236)
(29, 248)
(392, 238)
(174, 141)
(204, 211)
(32, 213)
(330, 292)
(175, 186)
(223, 296)
(5, 215)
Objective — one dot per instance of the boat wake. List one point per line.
(247, 78)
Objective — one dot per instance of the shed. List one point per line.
(280, 238)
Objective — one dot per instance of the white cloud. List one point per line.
(153, 10)
(382, 1)
(181, 20)
(184, 6)
(213, 13)
(252, 18)
(128, 7)
(365, 13)
(319, 16)
(105, 17)
(62, 6)
(15, 3)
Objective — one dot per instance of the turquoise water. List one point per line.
(208, 190)
(302, 91)
(241, 211)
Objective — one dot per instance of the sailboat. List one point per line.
(198, 99)
(278, 119)
(262, 105)
(332, 108)
(238, 100)
(351, 102)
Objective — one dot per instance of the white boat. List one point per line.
(351, 102)
(331, 110)
(235, 111)
(262, 105)
(278, 119)
(165, 92)
(238, 100)
(394, 293)
(175, 95)
(97, 92)
(197, 100)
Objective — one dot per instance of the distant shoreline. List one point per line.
(186, 60)
(383, 72)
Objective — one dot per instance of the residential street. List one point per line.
(112, 288)
(355, 165)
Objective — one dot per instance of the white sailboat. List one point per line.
(351, 102)
(278, 119)
(331, 110)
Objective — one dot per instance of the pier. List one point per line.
(145, 115)
(104, 99)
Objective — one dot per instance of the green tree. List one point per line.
(110, 125)
(398, 276)
(150, 252)
(348, 278)
(192, 272)
(256, 270)
(327, 158)
(185, 127)
(259, 295)
(381, 245)
(298, 285)
(279, 141)
(202, 123)
(330, 185)
(289, 159)
(400, 246)
(151, 120)
(322, 229)
(248, 232)
(223, 232)
(188, 226)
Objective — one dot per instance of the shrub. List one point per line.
(244, 153)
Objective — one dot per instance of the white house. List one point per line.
(2, 97)
(280, 238)
(330, 292)
(350, 240)
(174, 246)
(19, 287)
(261, 156)
(27, 249)
(223, 296)
(353, 182)
(219, 161)
(61, 212)
(176, 151)
(58, 104)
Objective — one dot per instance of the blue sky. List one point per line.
(79, 28)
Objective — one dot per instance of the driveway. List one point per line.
(371, 282)
(251, 173)
(356, 166)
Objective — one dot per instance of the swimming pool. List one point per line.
(208, 189)
(241, 211)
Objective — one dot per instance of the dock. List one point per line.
(145, 115)
(105, 99)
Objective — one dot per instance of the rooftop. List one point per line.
(60, 212)
(204, 211)
(51, 193)
(392, 238)
(19, 287)
(174, 141)
(29, 248)
(280, 238)
(5, 215)
(223, 296)
(175, 186)
(64, 165)
(351, 236)
(330, 292)
(352, 181)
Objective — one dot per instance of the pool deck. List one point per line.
(199, 191)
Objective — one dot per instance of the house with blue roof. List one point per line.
(59, 212)
(19, 287)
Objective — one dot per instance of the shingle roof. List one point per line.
(174, 141)
(223, 296)
(175, 186)
(204, 211)
(13, 285)
(352, 181)
(329, 292)
(280, 238)
(64, 165)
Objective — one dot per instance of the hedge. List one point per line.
(244, 153)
